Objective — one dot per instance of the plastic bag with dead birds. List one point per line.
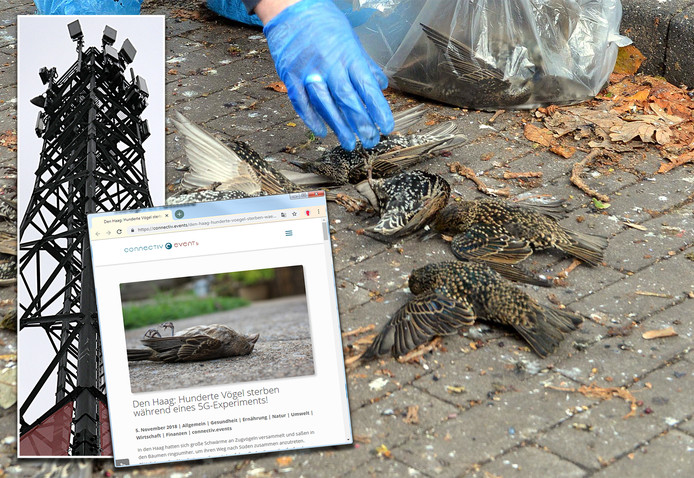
(491, 54)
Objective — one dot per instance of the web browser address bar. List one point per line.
(208, 222)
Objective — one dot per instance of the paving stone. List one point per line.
(621, 355)
(502, 365)
(8, 63)
(637, 201)
(201, 110)
(380, 467)
(663, 234)
(687, 427)
(674, 452)
(350, 296)
(679, 67)
(218, 29)
(258, 118)
(399, 261)
(529, 461)
(351, 249)
(484, 431)
(384, 422)
(621, 303)
(179, 26)
(601, 434)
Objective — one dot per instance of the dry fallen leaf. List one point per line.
(8, 139)
(455, 389)
(284, 461)
(563, 151)
(629, 60)
(412, 416)
(604, 393)
(657, 334)
(278, 86)
(539, 135)
(384, 451)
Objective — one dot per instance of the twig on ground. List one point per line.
(468, 173)
(579, 183)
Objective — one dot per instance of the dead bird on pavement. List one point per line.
(452, 295)
(219, 171)
(224, 171)
(406, 202)
(498, 231)
(201, 342)
(392, 155)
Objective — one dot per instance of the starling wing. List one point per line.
(184, 348)
(418, 321)
(212, 162)
(459, 58)
(545, 327)
(489, 243)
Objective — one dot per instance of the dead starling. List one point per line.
(8, 269)
(202, 342)
(390, 156)
(233, 170)
(499, 231)
(450, 295)
(406, 202)
(8, 209)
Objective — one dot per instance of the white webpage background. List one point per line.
(324, 393)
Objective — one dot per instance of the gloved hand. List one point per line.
(328, 74)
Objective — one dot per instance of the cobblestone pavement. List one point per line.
(486, 405)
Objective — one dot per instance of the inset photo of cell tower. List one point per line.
(90, 139)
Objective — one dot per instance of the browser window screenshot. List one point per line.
(220, 329)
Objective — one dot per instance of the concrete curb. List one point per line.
(663, 30)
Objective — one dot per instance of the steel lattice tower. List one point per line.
(92, 160)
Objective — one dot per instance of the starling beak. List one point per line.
(392, 154)
(406, 202)
(498, 231)
(224, 171)
(202, 342)
(450, 295)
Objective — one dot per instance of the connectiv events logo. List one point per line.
(156, 247)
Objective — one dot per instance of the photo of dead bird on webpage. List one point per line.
(217, 329)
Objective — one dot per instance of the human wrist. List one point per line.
(268, 9)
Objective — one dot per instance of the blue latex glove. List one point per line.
(328, 74)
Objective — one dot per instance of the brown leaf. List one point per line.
(538, 135)
(284, 461)
(8, 139)
(678, 161)
(657, 334)
(278, 86)
(629, 60)
(563, 151)
(185, 14)
(647, 132)
(412, 415)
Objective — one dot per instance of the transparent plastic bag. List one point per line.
(88, 7)
(493, 54)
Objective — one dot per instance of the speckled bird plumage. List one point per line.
(451, 295)
(390, 156)
(201, 342)
(220, 171)
(407, 201)
(500, 231)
